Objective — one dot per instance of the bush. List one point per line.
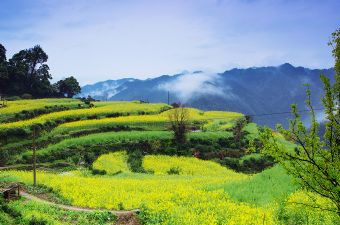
(13, 98)
(37, 221)
(164, 108)
(6, 209)
(103, 217)
(231, 163)
(4, 157)
(135, 161)
(39, 189)
(98, 172)
(256, 165)
(174, 170)
(249, 165)
(5, 219)
(26, 96)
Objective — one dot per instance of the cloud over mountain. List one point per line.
(252, 91)
(191, 85)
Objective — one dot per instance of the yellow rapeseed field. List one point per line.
(112, 163)
(20, 105)
(101, 110)
(161, 164)
(213, 118)
(183, 199)
(164, 199)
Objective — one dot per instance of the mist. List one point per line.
(190, 85)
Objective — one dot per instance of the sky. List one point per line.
(96, 40)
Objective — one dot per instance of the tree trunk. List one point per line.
(34, 160)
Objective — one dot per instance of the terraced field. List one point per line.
(121, 156)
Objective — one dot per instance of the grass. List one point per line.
(111, 138)
(272, 185)
(31, 212)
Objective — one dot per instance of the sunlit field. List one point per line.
(122, 156)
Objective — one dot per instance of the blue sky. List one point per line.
(96, 40)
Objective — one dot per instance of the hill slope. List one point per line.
(250, 91)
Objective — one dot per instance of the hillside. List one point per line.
(120, 156)
(251, 91)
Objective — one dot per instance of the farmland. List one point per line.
(122, 156)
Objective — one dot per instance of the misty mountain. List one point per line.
(252, 91)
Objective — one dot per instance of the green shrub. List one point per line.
(231, 163)
(135, 161)
(174, 170)
(120, 206)
(26, 96)
(102, 217)
(37, 221)
(8, 210)
(13, 98)
(5, 219)
(256, 165)
(98, 172)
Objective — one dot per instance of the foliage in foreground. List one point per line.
(187, 200)
(30, 212)
(315, 162)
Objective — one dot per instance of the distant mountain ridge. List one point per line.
(253, 91)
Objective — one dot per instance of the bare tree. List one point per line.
(179, 124)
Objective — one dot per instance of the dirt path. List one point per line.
(125, 217)
(74, 208)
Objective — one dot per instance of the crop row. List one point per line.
(214, 119)
(97, 144)
(22, 129)
(116, 162)
(20, 105)
(114, 108)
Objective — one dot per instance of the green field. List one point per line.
(121, 156)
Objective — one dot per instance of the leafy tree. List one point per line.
(2, 53)
(68, 87)
(175, 105)
(3, 69)
(315, 162)
(29, 72)
(238, 132)
(179, 124)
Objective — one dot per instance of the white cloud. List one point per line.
(103, 39)
(192, 85)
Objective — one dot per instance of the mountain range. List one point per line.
(265, 93)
